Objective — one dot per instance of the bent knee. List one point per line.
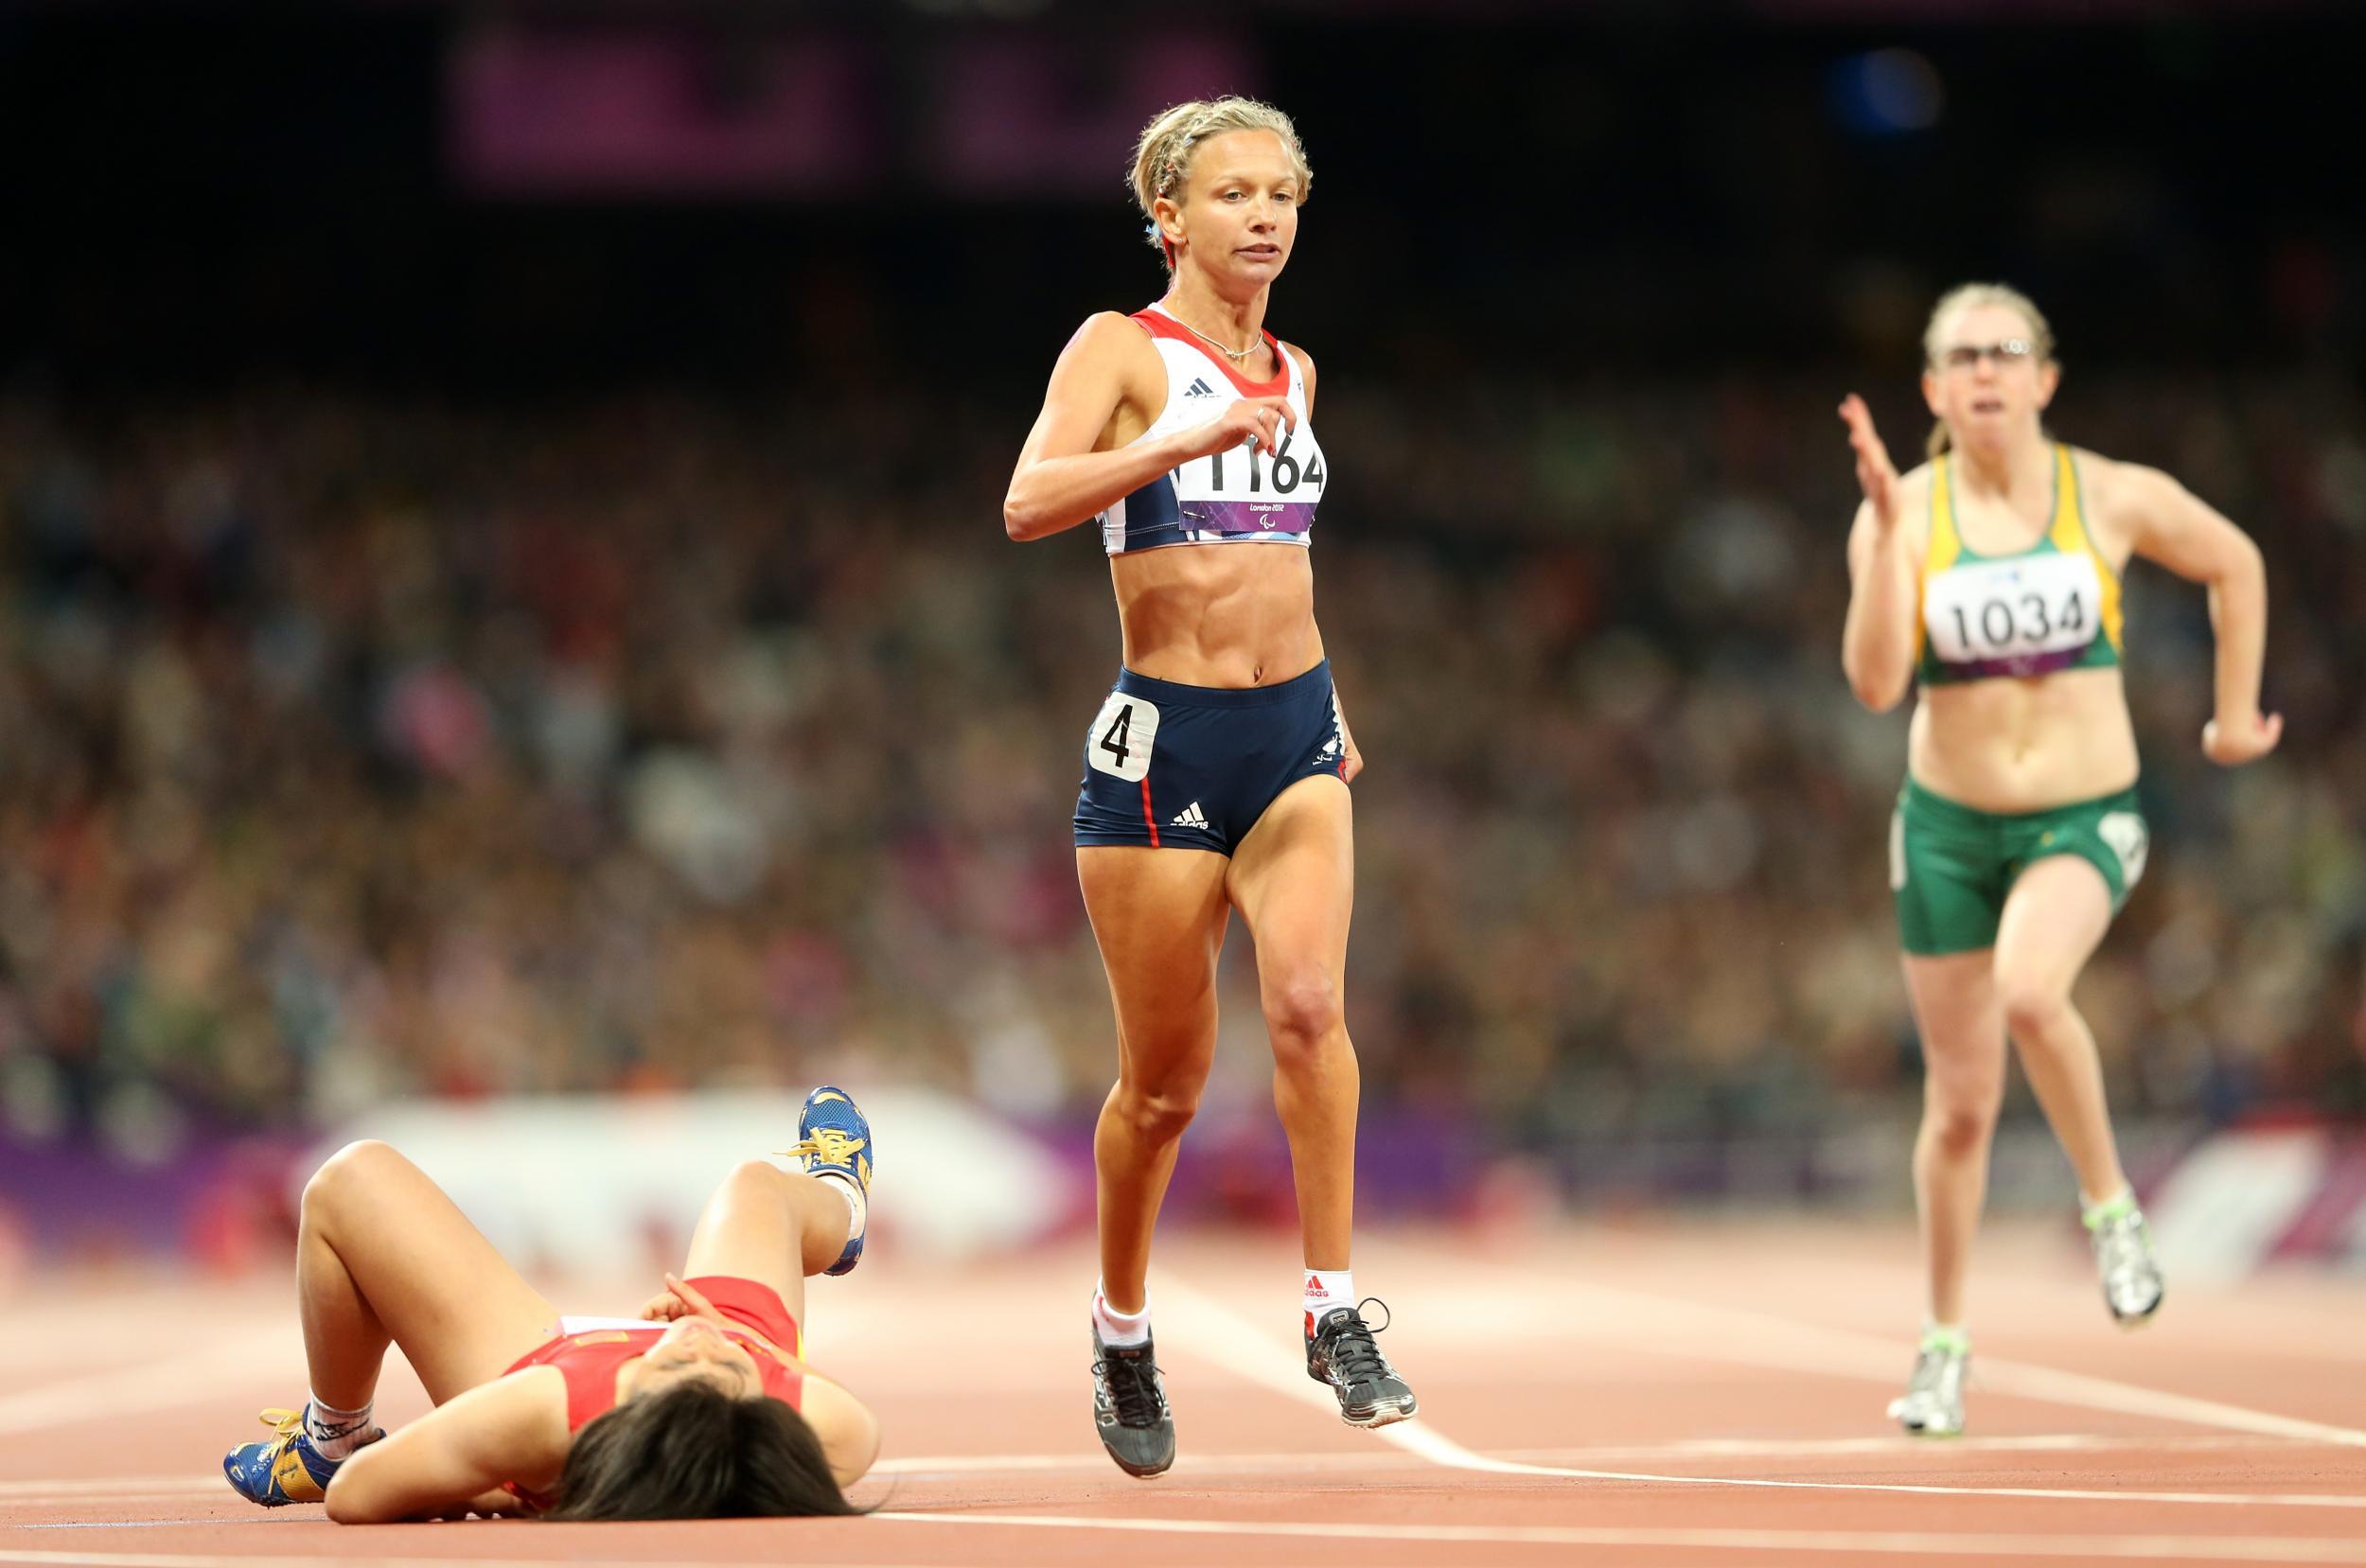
(1157, 1116)
(358, 1163)
(755, 1178)
(1958, 1129)
(1304, 1013)
(2032, 1012)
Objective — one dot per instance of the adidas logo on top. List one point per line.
(1199, 388)
(1190, 817)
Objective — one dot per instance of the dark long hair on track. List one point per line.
(695, 1451)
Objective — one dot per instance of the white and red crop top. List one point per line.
(1247, 495)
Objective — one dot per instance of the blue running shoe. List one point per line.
(286, 1469)
(835, 1137)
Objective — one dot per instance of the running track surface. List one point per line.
(1658, 1394)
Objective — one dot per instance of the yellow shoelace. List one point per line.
(830, 1146)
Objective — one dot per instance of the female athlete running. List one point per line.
(1216, 773)
(700, 1408)
(1991, 575)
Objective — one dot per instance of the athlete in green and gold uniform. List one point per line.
(2018, 614)
(1991, 577)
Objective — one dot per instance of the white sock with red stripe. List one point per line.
(334, 1434)
(1117, 1328)
(1326, 1290)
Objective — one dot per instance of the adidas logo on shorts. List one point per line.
(1190, 817)
(1199, 388)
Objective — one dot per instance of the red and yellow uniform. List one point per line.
(589, 1358)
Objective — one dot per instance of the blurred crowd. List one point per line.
(354, 747)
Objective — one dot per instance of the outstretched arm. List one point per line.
(1876, 648)
(2190, 538)
(511, 1429)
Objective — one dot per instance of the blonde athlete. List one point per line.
(1217, 772)
(1990, 575)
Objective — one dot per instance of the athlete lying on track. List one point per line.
(700, 1408)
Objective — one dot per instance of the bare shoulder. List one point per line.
(2107, 483)
(542, 1381)
(528, 1397)
(2121, 498)
(1306, 365)
(1110, 336)
(1108, 359)
(523, 1415)
(849, 1432)
(825, 1404)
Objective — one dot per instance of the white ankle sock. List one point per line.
(1117, 1328)
(858, 1203)
(335, 1434)
(1325, 1290)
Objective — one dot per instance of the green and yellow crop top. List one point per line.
(2055, 606)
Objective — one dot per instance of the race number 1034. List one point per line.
(1988, 609)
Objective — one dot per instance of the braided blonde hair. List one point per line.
(1162, 158)
(1964, 296)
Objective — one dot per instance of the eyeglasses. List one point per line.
(2011, 352)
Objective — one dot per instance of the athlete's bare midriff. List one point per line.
(2013, 746)
(1218, 614)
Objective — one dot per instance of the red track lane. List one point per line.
(1719, 1388)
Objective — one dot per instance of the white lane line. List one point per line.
(167, 1385)
(1895, 1542)
(1895, 1445)
(144, 1488)
(1710, 1333)
(147, 1489)
(66, 1489)
(2045, 1383)
(1216, 1332)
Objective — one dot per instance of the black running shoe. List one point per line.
(1339, 1351)
(1130, 1407)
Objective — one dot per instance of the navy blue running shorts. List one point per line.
(1195, 766)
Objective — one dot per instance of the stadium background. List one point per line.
(501, 592)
